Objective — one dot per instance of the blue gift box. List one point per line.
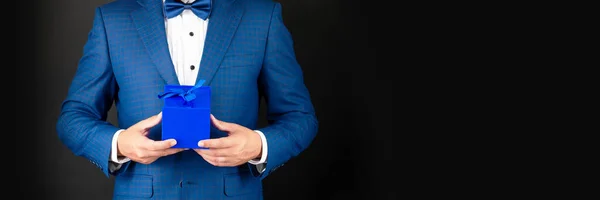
(186, 114)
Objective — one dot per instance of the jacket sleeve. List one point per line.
(291, 116)
(82, 125)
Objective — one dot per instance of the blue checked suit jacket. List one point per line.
(248, 54)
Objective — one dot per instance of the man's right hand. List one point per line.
(133, 143)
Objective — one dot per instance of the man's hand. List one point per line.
(134, 144)
(239, 147)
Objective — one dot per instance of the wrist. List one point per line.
(116, 155)
(260, 147)
(119, 154)
(261, 156)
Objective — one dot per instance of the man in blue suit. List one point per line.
(240, 48)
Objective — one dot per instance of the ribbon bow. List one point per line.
(200, 8)
(186, 95)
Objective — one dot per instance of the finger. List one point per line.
(216, 161)
(166, 152)
(147, 160)
(219, 143)
(221, 125)
(159, 145)
(149, 122)
(217, 152)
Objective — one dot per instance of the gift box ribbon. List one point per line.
(186, 95)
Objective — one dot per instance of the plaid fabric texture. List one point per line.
(248, 55)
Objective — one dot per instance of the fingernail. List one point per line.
(200, 144)
(173, 142)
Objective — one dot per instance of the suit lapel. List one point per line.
(149, 20)
(223, 23)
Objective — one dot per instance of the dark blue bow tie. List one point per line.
(200, 7)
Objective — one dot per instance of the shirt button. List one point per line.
(192, 67)
(191, 33)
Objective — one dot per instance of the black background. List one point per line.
(338, 45)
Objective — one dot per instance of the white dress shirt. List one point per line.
(186, 34)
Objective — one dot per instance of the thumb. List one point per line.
(221, 125)
(149, 122)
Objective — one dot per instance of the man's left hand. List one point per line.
(240, 146)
